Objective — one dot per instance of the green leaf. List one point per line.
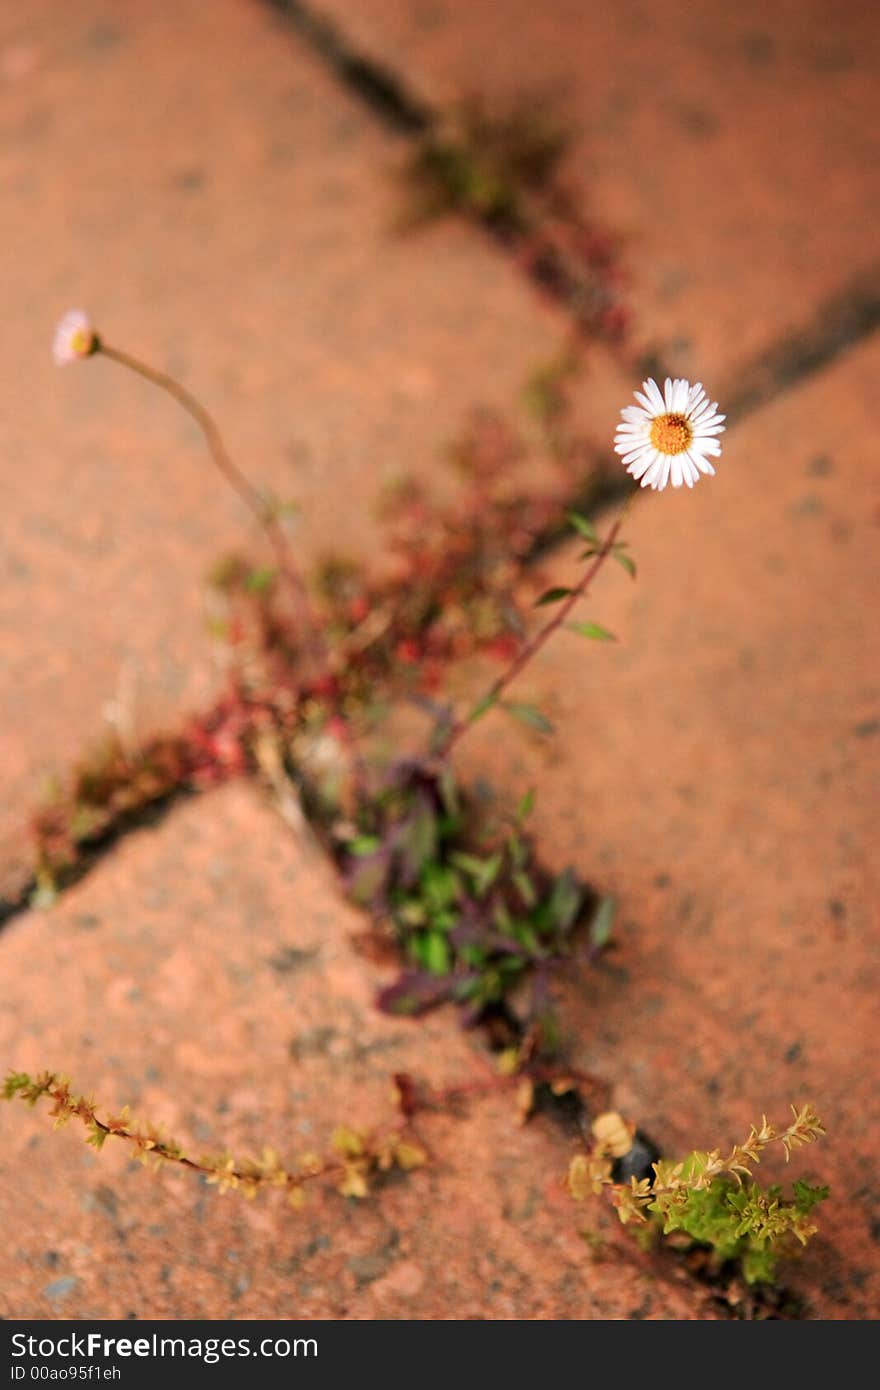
(806, 1196)
(552, 596)
(489, 874)
(593, 631)
(583, 527)
(258, 581)
(364, 844)
(470, 863)
(602, 923)
(449, 792)
(481, 707)
(531, 715)
(565, 901)
(518, 851)
(524, 887)
(440, 886)
(627, 561)
(97, 1136)
(524, 809)
(436, 953)
(483, 871)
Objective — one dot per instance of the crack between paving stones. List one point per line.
(851, 316)
(375, 84)
(839, 324)
(843, 321)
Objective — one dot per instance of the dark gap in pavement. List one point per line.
(19, 899)
(848, 317)
(378, 87)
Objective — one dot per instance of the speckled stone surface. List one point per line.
(224, 208)
(208, 975)
(731, 148)
(716, 771)
(222, 203)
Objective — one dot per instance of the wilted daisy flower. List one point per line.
(669, 437)
(74, 337)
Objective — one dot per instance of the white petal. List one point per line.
(75, 323)
(652, 476)
(676, 473)
(643, 464)
(639, 467)
(654, 398)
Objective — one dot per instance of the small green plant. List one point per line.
(460, 895)
(472, 911)
(709, 1199)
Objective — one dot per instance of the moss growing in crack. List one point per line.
(707, 1199)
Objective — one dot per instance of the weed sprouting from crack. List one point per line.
(469, 911)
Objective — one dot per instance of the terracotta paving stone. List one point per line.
(206, 974)
(222, 204)
(223, 207)
(732, 147)
(716, 771)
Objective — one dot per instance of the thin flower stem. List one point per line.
(534, 645)
(230, 470)
(267, 519)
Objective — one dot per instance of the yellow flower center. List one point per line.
(81, 341)
(671, 434)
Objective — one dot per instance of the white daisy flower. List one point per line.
(669, 437)
(74, 338)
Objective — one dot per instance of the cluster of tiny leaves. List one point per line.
(473, 914)
(712, 1197)
(355, 1160)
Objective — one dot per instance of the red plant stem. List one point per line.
(498, 1082)
(534, 645)
(264, 515)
